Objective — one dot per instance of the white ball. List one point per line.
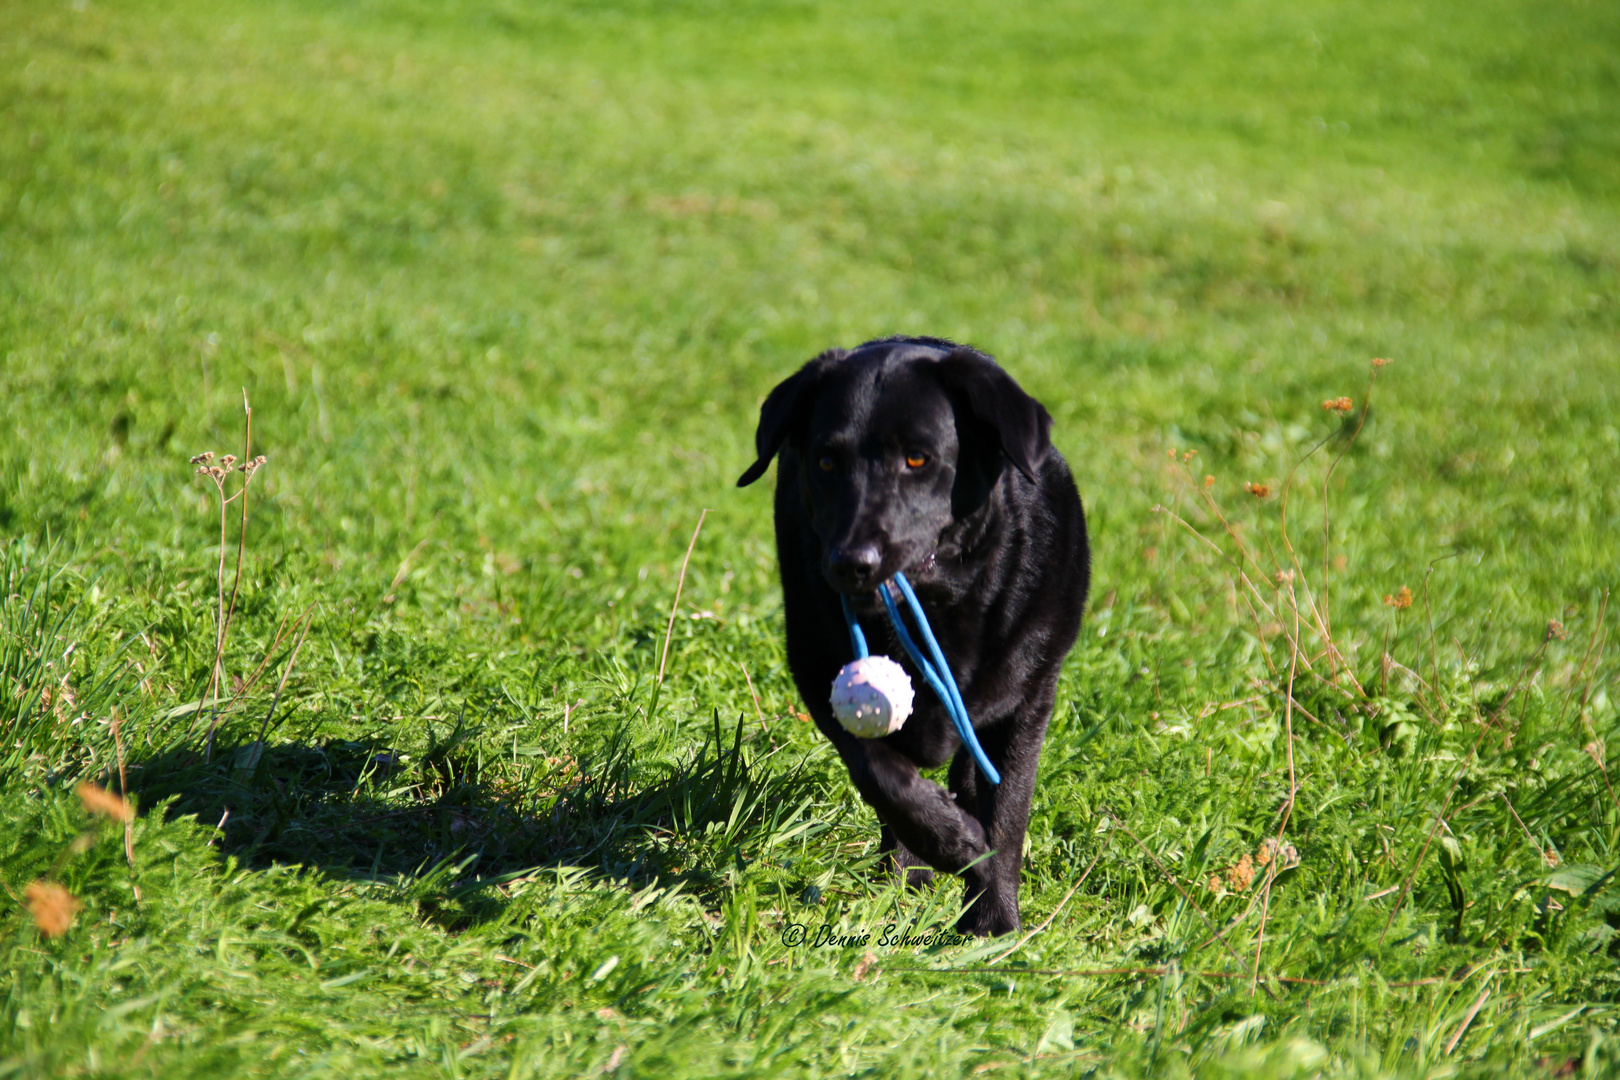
(872, 697)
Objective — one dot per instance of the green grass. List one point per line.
(505, 283)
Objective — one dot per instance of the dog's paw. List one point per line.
(919, 877)
(985, 919)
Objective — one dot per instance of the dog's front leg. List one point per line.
(900, 861)
(1014, 746)
(917, 813)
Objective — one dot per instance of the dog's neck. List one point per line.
(964, 536)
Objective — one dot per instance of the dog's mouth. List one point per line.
(869, 600)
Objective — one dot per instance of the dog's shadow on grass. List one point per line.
(445, 833)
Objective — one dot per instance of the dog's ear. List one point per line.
(784, 410)
(1021, 424)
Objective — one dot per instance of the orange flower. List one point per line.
(1259, 491)
(1209, 482)
(1401, 600)
(51, 906)
(1379, 361)
(1338, 404)
(98, 800)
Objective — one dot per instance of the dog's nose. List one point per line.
(854, 568)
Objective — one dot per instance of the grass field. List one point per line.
(505, 283)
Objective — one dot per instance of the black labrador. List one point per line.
(923, 456)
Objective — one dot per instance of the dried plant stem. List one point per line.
(211, 691)
(1293, 792)
(1588, 670)
(241, 532)
(674, 609)
(223, 612)
(1327, 529)
(1468, 1018)
(758, 709)
(1066, 897)
(1603, 770)
(1439, 820)
(228, 612)
(1542, 854)
(1216, 935)
(283, 628)
(1159, 972)
(308, 619)
(1434, 648)
(404, 569)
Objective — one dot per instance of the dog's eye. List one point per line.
(916, 461)
(827, 463)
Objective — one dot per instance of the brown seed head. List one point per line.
(51, 906)
(1284, 855)
(1379, 362)
(1555, 630)
(1259, 491)
(1338, 404)
(1241, 875)
(1401, 600)
(98, 800)
(1209, 481)
(203, 458)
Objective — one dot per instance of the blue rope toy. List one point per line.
(936, 674)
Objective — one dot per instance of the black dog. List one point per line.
(922, 456)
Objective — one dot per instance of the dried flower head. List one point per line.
(98, 800)
(1555, 630)
(1338, 404)
(1259, 491)
(1189, 455)
(1399, 601)
(203, 458)
(51, 906)
(1209, 481)
(1241, 874)
(1284, 577)
(1284, 854)
(1379, 362)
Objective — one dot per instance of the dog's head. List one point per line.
(895, 441)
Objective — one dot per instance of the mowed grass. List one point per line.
(505, 284)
